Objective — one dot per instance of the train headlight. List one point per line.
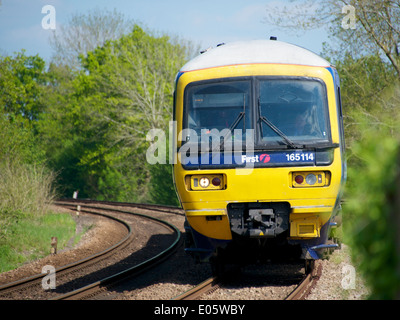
(205, 182)
(310, 179)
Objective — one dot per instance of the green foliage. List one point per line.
(94, 129)
(364, 84)
(374, 148)
(162, 188)
(370, 210)
(371, 100)
(26, 186)
(18, 142)
(21, 78)
(363, 81)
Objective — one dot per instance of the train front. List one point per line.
(260, 152)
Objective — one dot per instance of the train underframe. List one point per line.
(260, 233)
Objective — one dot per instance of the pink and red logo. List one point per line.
(265, 158)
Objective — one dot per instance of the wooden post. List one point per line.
(53, 249)
(78, 208)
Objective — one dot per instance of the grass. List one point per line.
(26, 224)
(29, 239)
(24, 188)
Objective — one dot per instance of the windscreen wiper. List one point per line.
(236, 122)
(231, 128)
(274, 128)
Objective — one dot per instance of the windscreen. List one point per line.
(280, 112)
(217, 107)
(293, 110)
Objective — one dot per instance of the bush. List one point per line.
(25, 189)
(162, 189)
(25, 192)
(370, 209)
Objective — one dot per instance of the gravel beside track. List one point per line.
(180, 273)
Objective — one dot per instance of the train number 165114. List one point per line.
(307, 156)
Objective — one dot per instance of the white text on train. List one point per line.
(247, 159)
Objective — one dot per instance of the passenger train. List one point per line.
(260, 150)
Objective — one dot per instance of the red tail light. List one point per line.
(216, 182)
(299, 179)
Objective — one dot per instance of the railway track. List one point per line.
(205, 287)
(305, 286)
(102, 203)
(299, 293)
(127, 215)
(79, 287)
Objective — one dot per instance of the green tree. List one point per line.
(21, 81)
(124, 89)
(365, 83)
(26, 185)
(133, 77)
(370, 210)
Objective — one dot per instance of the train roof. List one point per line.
(255, 51)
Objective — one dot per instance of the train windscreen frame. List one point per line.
(269, 109)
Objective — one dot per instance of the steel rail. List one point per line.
(206, 286)
(213, 283)
(133, 271)
(153, 207)
(302, 290)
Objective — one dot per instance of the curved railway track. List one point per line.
(32, 287)
(127, 215)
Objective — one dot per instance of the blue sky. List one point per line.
(207, 22)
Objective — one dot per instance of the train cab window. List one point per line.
(292, 111)
(218, 106)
